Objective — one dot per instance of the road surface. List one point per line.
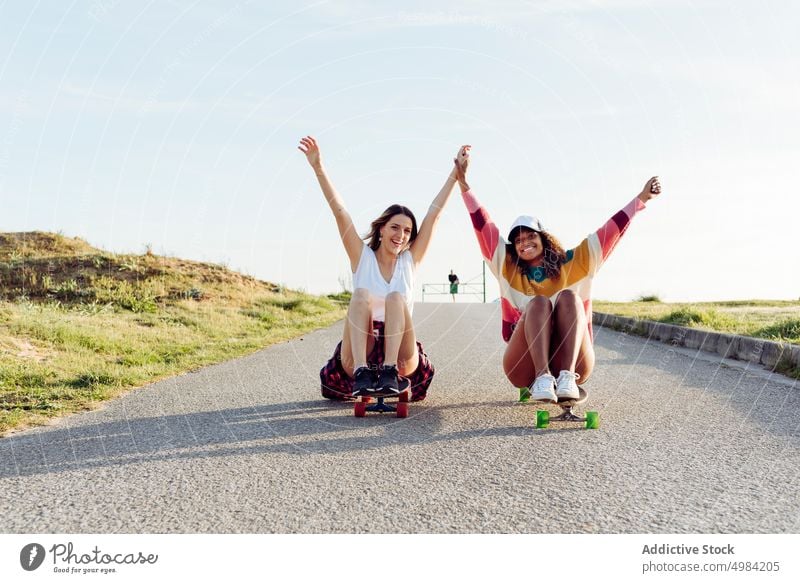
(688, 444)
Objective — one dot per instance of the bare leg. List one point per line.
(357, 340)
(517, 363)
(528, 352)
(400, 346)
(572, 348)
(538, 332)
(570, 322)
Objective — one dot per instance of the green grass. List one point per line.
(79, 326)
(769, 319)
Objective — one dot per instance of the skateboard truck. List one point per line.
(363, 405)
(592, 419)
(567, 415)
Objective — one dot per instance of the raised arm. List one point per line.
(492, 245)
(420, 245)
(611, 232)
(353, 244)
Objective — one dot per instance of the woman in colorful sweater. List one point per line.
(545, 293)
(379, 349)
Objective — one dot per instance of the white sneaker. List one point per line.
(543, 388)
(566, 387)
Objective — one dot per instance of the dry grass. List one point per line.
(79, 326)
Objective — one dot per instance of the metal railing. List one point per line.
(470, 288)
(464, 289)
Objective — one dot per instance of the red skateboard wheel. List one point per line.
(360, 409)
(402, 409)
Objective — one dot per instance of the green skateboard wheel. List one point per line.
(592, 420)
(524, 394)
(542, 419)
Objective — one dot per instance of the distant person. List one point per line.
(379, 347)
(545, 293)
(453, 284)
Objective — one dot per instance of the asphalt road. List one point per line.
(688, 443)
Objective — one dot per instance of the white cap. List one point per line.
(528, 222)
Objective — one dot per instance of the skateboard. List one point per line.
(591, 421)
(378, 404)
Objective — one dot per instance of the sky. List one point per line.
(174, 124)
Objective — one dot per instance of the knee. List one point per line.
(396, 308)
(361, 298)
(395, 299)
(568, 299)
(539, 305)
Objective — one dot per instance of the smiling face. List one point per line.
(396, 234)
(528, 244)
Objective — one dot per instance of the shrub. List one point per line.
(134, 297)
(341, 297)
(699, 318)
(648, 298)
(787, 330)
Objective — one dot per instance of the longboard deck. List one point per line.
(571, 402)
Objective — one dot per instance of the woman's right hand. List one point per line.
(309, 147)
(462, 163)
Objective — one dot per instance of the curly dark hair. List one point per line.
(373, 238)
(554, 254)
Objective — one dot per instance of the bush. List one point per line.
(648, 298)
(692, 317)
(341, 297)
(134, 297)
(787, 330)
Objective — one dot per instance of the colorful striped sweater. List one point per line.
(577, 273)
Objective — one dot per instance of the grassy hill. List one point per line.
(79, 325)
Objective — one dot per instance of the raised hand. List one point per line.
(650, 190)
(309, 147)
(461, 162)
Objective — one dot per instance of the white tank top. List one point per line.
(368, 276)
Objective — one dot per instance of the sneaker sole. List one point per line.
(384, 392)
(569, 396)
(544, 399)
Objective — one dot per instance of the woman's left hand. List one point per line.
(650, 190)
(462, 163)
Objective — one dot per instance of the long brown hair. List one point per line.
(554, 254)
(373, 238)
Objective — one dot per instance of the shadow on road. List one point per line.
(690, 388)
(296, 428)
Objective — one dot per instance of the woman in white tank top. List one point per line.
(383, 277)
